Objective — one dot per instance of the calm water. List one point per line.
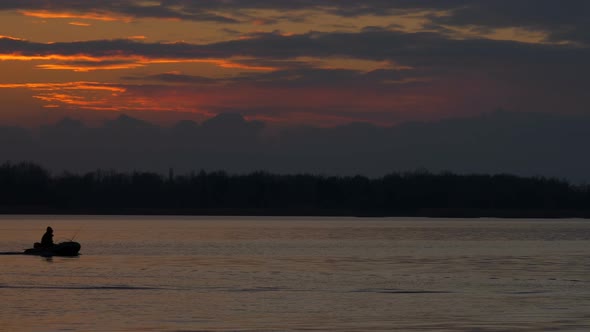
(277, 274)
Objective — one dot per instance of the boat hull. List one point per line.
(70, 248)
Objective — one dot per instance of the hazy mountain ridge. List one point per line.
(527, 144)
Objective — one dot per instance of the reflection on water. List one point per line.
(252, 274)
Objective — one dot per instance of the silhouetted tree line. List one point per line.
(29, 188)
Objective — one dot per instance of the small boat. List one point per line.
(69, 248)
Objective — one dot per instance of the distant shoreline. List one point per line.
(26, 188)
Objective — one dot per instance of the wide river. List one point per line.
(297, 274)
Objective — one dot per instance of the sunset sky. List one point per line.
(320, 62)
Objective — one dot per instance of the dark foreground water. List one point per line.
(299, 274)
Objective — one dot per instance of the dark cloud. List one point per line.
(411, 48)
(370, 44)
(562, 20)
(309, 77)
(298, 75)
(373, 6)
(172, 78)
(134, 9)
(231, 31)
(104, 48)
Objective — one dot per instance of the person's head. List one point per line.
(49, 229)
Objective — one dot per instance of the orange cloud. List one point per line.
(135, 62)
(82, 85)
(86, 95)
(75, 62)
(22, 57)
(86, 68)
(72, 15)
(102, 97)
(10, 37)
(80, 24)
(218, 62)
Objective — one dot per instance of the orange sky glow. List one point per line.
(321, 65)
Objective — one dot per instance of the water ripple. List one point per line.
(80, 287)
(398, 291)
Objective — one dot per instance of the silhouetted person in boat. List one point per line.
(47, 239)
